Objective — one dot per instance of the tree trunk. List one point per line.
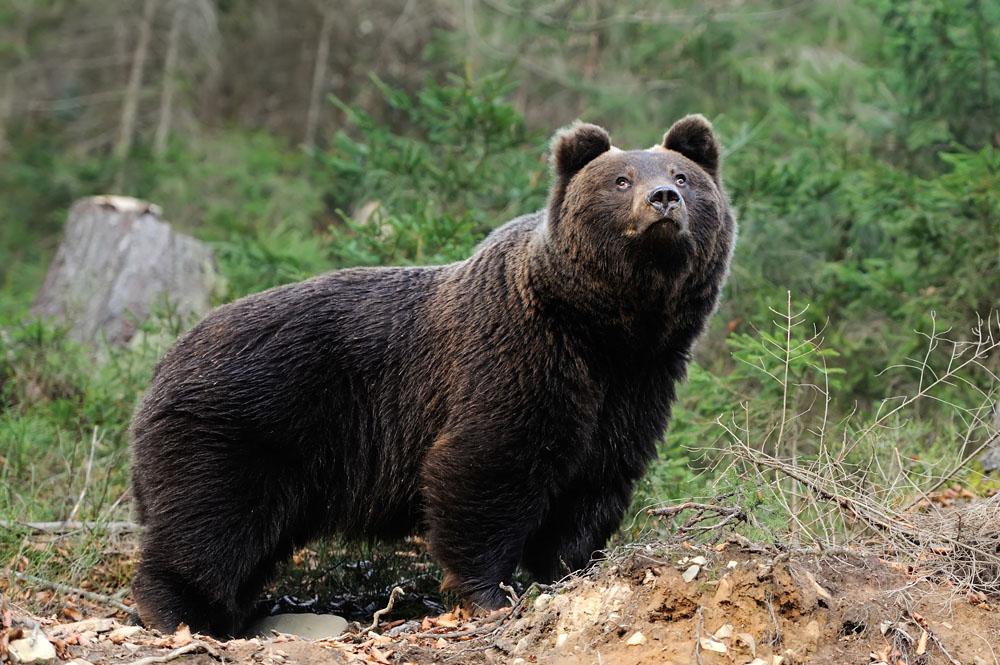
(126, 128)
(169, 81)
(319, 78)
(118, 262)
(6, 107)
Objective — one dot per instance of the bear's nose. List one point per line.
(662, 198)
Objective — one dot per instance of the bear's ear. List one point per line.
(576, 146)
(693, 137)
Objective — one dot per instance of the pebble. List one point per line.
(691, 573)
(636, 639)
(542, 600)
(35, 649)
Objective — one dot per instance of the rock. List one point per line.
(747, 640)
(710, 644)
(87, 625)
(812, 632)
(308, 626)
(724, 632)
(691, 573)
(725, 590)
(820, 591)
(561, 639)
(637, 639)
(542, 601)
(31, 650)
(119, 635)
(699, 561)
(78, 661)
(117, 261)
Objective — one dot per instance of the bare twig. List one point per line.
(396, 593)
(697, 635)
(94, 439)
(702, 512)
(89, 595)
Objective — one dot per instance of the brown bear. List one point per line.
(504, 405)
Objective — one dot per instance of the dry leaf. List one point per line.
(380, 657)
(181, 637)
(72, 614)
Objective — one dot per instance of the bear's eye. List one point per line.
(623, 183)
(681, 179)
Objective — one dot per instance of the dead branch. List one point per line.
(177, 653)
(89, 595)
(70, 526)
(702, 512)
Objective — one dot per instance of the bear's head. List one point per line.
(621, 211)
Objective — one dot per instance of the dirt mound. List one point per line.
(733, 604)
(736, 606)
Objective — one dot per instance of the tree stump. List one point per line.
(118, 261)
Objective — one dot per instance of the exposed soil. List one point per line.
(647, 606)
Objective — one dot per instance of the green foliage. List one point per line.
(465, 164)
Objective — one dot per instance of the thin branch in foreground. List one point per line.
(70, 526)
(396, 593)
(177, 653)
(89, 595)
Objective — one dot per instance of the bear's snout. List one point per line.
(664, 198)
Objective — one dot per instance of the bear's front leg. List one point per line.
(480, 509)
(577, 526)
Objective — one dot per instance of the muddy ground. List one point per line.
(651, 605)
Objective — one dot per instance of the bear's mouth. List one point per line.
(671, 220)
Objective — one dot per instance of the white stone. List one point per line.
(34, 649)
(691, 573)
(542, 601)
(709, 644)
(308, 626)
(636, 639)
(724, 632)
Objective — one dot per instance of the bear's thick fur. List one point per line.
(504, 406)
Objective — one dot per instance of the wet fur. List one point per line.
(504, 406)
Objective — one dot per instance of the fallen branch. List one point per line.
(69, 526)
(89, 595)
(177, 653)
